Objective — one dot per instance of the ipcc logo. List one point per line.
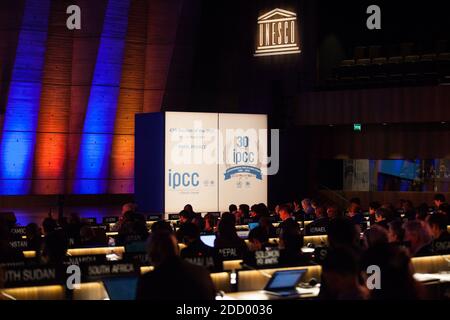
(184, 179)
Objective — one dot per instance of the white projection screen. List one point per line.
(241, 179)
(213, 160)
(189, 179)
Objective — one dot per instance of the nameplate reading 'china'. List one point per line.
(277, 33)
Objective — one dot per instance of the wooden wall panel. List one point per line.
(131, 100)
(391, 105)
(161, 39)
(70, 60)
(10, 21)
(398, 141)
(84, 57)
(50, 154)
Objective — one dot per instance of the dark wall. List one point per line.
(222, 75)
(10, 19)
(375, 141)
(225, 76)
(342, 27)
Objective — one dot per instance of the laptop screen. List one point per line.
(208, 240)
(136, 246)
(253, 225)
(122, 288)
(284, 279)
(243, 234)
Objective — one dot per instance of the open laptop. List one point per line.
(121, 288)
(243, 234)
(136, 247)
(208, 240)
(253, 225)
(284, 283)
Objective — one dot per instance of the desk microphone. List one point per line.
(313, 282)
(220, 293)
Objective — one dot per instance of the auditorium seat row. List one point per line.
(388, 71)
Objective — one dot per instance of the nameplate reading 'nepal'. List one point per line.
(277, 33)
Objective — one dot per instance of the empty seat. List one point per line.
(441, 46)
(394, 69)
(427, 68)
(443, 65)
(411, 69)
(362, 74)
(378, 71)
(346, 63)
(360, 53)
(363, 62)
(346, 72)
(406, 49)
(374, 52)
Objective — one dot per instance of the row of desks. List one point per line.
(249, 284)
(119, 250)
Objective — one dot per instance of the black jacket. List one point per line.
(441, 245)
(230, 249)
(426, 250)
(200, 254)
(176, 280)
(318, 226)
(288, 224)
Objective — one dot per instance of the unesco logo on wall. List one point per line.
(277, 33)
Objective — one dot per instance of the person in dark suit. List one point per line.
(268, 227)
(228, 244)
(441, 238)
(198, 253)
(319, 225)
(258, 241)
(382, 217)
(397, 280)
(287, 219)
(173, 278)
(290, 245)
(408, 210)
(133, 228)
(439, 199)
(297, 210)
(7, 253)
(341, 277)
(355, 214)
(308, 210)
(185, 217)
(373, 207)
(419, 237)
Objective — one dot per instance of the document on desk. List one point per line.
(424, 277)
(263, 295)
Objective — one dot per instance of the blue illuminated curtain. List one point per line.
(22, 109)
(95, 148)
